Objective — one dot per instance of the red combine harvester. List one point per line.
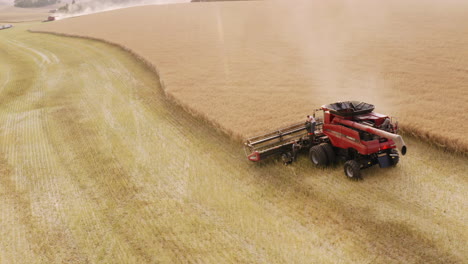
(350, 131)
(50, 19)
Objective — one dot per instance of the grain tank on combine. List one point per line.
(350, 131)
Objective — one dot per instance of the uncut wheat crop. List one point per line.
(252, 66)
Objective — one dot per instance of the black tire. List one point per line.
(318, 156)
(395, 159)
(287, 158)
(328, 149)
(352, 170)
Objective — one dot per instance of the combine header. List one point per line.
(280, 142)
(349, 131)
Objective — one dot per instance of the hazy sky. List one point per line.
(104, 1)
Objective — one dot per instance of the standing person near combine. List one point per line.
(310, 125)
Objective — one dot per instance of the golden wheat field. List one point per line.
(97, 165)
(13, 14)
(251, 66)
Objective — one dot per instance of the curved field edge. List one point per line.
(443, 143)
(288, 212)
(203, 117)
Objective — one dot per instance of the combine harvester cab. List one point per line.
(351, 131)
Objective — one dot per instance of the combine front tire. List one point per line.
(287, 158)
(318, 156)
(352, 169)
(328, 149)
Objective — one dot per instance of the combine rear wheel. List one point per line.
(318, 156)
(352, 169)
(328, 149)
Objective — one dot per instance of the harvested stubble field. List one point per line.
(251, 66)
(97, 166)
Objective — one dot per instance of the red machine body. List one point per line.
(349, 130)
(344, 133)
(50, 19)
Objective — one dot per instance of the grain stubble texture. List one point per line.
(98, 166)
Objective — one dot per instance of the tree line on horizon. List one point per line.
(41, 3)
(34, 3)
